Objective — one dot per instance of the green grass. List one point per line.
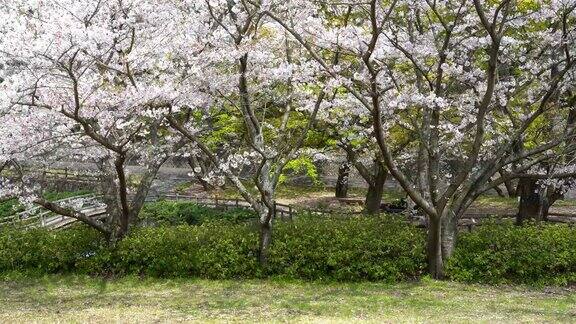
(83, 299)
(496, 202)
(283, 191)
(286, 191)
(506, 202)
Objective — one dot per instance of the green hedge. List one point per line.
(42, 251)
(355, 248)
(213, 250)
(334, 249)
(370, 248)
(180, 213)
(505, 253)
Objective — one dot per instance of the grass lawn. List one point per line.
(83, 299)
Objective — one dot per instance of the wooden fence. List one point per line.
(281, 211)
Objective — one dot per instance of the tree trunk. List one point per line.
(549, 200)
(531, 202)
(373, 201)
(510, 189)
(535, 201)
(449, 235)
(442, 234)
(113, 209)
(265, 237)
(342, 182)
(499, 192)
(434, 248)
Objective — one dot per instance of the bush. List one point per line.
(209, 251)
(10, 207)
(179, 213)
(345, 249)
(530, 254)
(361, 248)
(309, 248)
(42, 251)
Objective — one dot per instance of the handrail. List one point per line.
(30, 215)
(97, 209)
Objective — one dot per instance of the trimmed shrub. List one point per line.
(505, 253)
(42, 251)
(180, 213)
(213, 250)
(310, 248)
(360, 248)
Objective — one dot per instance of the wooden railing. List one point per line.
(37, 216)
(92, 206)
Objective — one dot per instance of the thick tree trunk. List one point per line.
(442, 234)
(549, 200)
(531, 202)
(434, 248)
(510, 189)
(373, 201)
(342, 182)
(113, 209)
(265, 236)
(449, 236)
(535, 201)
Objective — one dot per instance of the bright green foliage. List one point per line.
(532, 254)
(179, 213)
(227, 127)
(301, 165)
(377, 248)
(308, 248)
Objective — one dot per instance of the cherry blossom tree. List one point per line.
(79, 75)
(469, 77)
(237, 63)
